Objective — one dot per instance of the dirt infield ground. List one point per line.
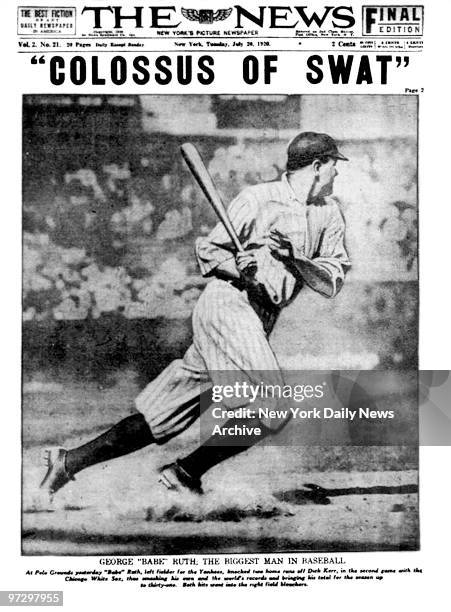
(363, 498)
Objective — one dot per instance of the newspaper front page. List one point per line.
(218, 209)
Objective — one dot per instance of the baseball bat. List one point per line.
(199, 171)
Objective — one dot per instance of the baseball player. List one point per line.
(293, 234)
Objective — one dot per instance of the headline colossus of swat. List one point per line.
(184, 69)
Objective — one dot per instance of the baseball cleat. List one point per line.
(175, 478)
(56, 476)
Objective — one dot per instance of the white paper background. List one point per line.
(414, 591)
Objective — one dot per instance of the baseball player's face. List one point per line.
(326, 176)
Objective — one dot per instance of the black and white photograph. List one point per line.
(174, 242)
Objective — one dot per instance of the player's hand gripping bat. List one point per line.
(205, 182)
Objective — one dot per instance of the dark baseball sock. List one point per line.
(127, 436)
(215, 449)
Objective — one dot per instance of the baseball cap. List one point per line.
(307, 146)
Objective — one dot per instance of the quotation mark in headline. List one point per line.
(404, 61)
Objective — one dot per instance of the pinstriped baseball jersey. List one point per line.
(316, 231)
(229, 332)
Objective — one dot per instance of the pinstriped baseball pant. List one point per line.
(228, 335)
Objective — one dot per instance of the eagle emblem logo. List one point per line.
(206, 15)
